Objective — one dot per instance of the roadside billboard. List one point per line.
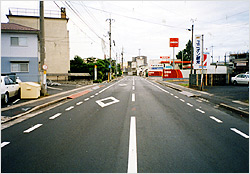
(197, 52)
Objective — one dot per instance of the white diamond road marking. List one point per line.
(102, 104)
(4, 144)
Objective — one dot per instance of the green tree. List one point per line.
(186, 53)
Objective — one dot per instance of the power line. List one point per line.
(138, 19)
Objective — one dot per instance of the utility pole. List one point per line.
(42, 50)
(122, 61)
(110, 69)
(202, 60)
(116, 66)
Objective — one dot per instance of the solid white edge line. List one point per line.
(32, 128)
(4, 144)
(216, 119)
(54, 116)
(132, 156)
(133, 97)
(239, 132)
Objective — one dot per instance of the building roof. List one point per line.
(16, 27)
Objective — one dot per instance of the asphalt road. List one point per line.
(132, 125)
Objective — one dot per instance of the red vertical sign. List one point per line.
(174, 42)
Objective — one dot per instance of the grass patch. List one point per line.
(183, 84)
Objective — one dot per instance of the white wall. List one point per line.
(31, 50)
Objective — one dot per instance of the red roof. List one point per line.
(16, 27)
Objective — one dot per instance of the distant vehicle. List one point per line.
(9, 88)
(240, 79)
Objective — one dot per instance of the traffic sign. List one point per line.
(174, 42)
(45, 67)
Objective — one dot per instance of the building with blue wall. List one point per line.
(19, 51)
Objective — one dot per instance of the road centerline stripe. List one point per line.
(55, 116)
(190, 105)
(133, 97)
(86, 99)
(32, 128)
(69, 108)
(239, 132)
(132, 156)
(79, 103)
(201, 111)
(216, 119)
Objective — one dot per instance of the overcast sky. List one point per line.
(148, 25)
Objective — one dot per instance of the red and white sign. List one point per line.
(174, 42)
(165, 57)
(45, 67)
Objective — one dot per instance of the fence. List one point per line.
(209, 79)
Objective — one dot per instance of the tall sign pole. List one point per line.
(174, 42)
(42, 50)
(202, 59)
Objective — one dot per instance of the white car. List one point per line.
(8, 88)
(240, 79)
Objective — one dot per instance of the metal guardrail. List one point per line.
(34, 12)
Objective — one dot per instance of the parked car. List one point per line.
(240, 79)
(9, 88)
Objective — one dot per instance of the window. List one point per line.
(19, 67)
(18, 41)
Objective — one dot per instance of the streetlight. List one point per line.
(192, 48)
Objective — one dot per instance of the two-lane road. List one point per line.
(132, 125)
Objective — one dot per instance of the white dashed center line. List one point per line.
(239, 132)
(133, 97)
(176, 96)
(216, 119)
(201, 111)
(182, 100)
(132, 156)
(32, 128)
(190, 105)
(55, 116)
(69, 108)
(86, 99)
(79, 103)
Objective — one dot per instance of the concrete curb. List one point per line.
(34, 109)
(45, 104)
(236, 110)
(223, 105)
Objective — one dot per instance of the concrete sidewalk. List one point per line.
(235, 106)
(18, 110)
(27, 106)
